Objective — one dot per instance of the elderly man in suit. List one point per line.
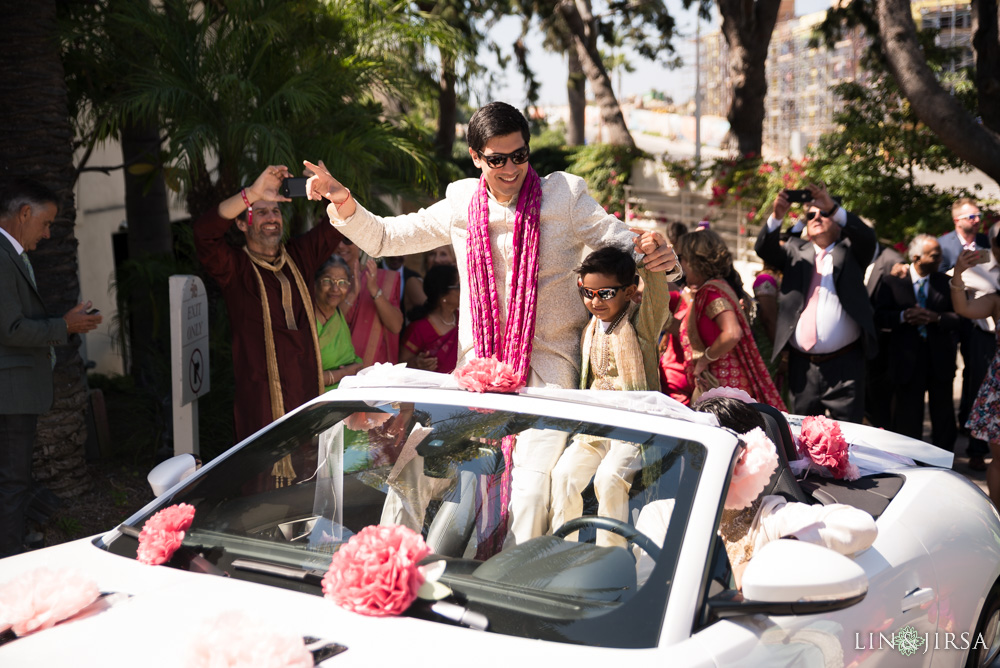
(27, 334)
(922, 344)
(824, 314)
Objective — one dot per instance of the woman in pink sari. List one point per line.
(372, 308)
(719, 347)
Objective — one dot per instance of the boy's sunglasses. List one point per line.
(604, 293)
(498, 160)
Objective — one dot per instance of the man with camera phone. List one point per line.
(824, 314)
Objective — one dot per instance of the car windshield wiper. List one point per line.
(297, 573)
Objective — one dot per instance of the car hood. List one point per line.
(167, 609)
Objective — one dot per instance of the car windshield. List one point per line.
(277, 508)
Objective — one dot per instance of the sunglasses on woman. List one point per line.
(498, 160)
(604, 293)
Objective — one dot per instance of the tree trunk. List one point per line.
(576, 91)
(36, 141)
(148, 235)
(956, 128)
(747, 26)
(986, 42)
(579, 19)
(444, 142)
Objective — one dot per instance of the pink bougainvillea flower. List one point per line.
(163, 533)
(487, 375)
(42, 598)
(233, 640)
(754, 468)
(377, 573)
(823, 443)
(727, 391)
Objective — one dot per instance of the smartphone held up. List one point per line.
(293, 187)
(798, 196)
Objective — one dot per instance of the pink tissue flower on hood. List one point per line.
(42, 598)
(163, 533)
(377, 573)
(754, 468)
(235, 641)
(487, 375)
(822, 442)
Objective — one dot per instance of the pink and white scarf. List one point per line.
(513, 345)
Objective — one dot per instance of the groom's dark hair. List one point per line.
(496, 119)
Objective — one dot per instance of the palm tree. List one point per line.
(36, 140)
(260, 81)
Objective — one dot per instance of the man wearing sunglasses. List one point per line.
(976, 339)
(517, 238)
(825, 317)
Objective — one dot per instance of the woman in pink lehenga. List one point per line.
(719, 347)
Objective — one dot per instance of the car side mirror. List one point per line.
(168, 473)
(791, 577)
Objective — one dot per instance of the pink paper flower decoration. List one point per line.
(42, 598)
(235, 641)
(726, 391)
(377, 573)
(754, 468)
(487, 375)
(822, 442)
(163, 533)
(364, 421)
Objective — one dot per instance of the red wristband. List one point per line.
(243, 194)
(344, 202)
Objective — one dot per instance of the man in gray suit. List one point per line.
(27, 334)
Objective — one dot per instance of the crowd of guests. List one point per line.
(847, 326)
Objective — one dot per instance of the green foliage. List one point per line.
(607, 169)
(69, 526)
(874, 159)
(246, 83)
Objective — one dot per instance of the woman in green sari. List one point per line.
(333, 281)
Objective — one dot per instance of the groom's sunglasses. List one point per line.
(498, 160)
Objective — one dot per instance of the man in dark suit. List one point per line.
(27, 334)
(922, 345)
(975, 343)
(967, 234)
(824, 314)
(878, 388)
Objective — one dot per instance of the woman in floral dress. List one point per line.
(984, 418)
(719, 347)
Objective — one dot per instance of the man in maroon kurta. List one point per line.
(264, 391)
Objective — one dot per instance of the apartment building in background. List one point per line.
(800, 103)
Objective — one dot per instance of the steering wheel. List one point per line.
(623, 529)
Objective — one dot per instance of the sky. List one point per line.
(550, 68)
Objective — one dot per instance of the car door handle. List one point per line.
(917, 598)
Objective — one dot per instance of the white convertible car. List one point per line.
(271, 511)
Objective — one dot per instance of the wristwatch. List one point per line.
(827, 214)
(377, 294)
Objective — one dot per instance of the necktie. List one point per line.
(31, 275)
(31, 271)
(922, 303)
(808, 337)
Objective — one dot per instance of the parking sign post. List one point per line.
(188, 357)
